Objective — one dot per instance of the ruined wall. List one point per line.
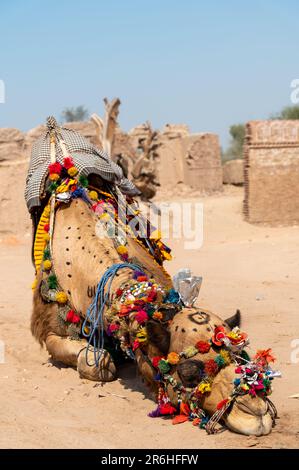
(202, 162)
(11, 144)
(271, 172)
(177, 157)
(192, 159)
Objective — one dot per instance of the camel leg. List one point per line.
(73, 353)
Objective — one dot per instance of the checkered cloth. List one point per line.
(87, 158)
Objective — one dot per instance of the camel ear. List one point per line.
(158, 336)
(235, 320)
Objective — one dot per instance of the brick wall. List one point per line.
(271, 172)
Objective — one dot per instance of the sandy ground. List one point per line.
(252, 268)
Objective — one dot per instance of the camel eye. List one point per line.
(190, 372)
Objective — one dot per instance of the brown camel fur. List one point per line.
(80, 259)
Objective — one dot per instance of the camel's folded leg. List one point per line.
(73, 353)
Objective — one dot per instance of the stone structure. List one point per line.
(233, 172)
(271, 177)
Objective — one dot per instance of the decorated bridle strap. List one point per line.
(216, 417)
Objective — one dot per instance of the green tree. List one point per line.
(79, 113)
(235, 149)
(288, 112)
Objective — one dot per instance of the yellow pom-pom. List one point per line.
(54, 177)
(47, 265)
(93, 195)
(72, 171)
(190, 351)
(46, 237)
(204, 387)
(226, 356)
(34, 284)
(122, 250)
(61, 297)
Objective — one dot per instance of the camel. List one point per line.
(80, 258)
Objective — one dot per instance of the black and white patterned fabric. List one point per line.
(87, 158)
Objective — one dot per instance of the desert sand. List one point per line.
(253, 268)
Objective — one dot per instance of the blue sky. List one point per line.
(209, 64)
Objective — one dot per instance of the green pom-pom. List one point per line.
(219, 361)
(83, 180)
(52, 281)
(150, 310)
(267, 383)
(46, 254)
(163, 366)
(53, 186)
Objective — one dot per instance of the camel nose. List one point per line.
(190, 372)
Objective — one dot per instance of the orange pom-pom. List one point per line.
(72, 171)
(173, 358)
(54, 176)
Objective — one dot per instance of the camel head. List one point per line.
(249, 413)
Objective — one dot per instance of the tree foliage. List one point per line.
(79, 113)
(235, 149)
(288, 112)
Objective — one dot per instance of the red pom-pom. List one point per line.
(70, 315)
(141, 316)
(76, 319)
(211, 367)
(55, 168)
(141, 278)
(119, 292)
(156, 360)
(152, 295)
(46, 227)
(167, 409)
(68, 163)
(113, 327)
(203, 347)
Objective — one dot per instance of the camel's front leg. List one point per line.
(73, 353)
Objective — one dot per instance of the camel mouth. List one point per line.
(248, 419)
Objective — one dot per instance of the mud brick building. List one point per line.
(271, 172)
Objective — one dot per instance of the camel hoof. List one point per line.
(104, 372)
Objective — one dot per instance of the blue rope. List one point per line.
(94, 319)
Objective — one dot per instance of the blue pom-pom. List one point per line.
(172, 297)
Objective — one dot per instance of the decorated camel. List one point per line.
(101, 292)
